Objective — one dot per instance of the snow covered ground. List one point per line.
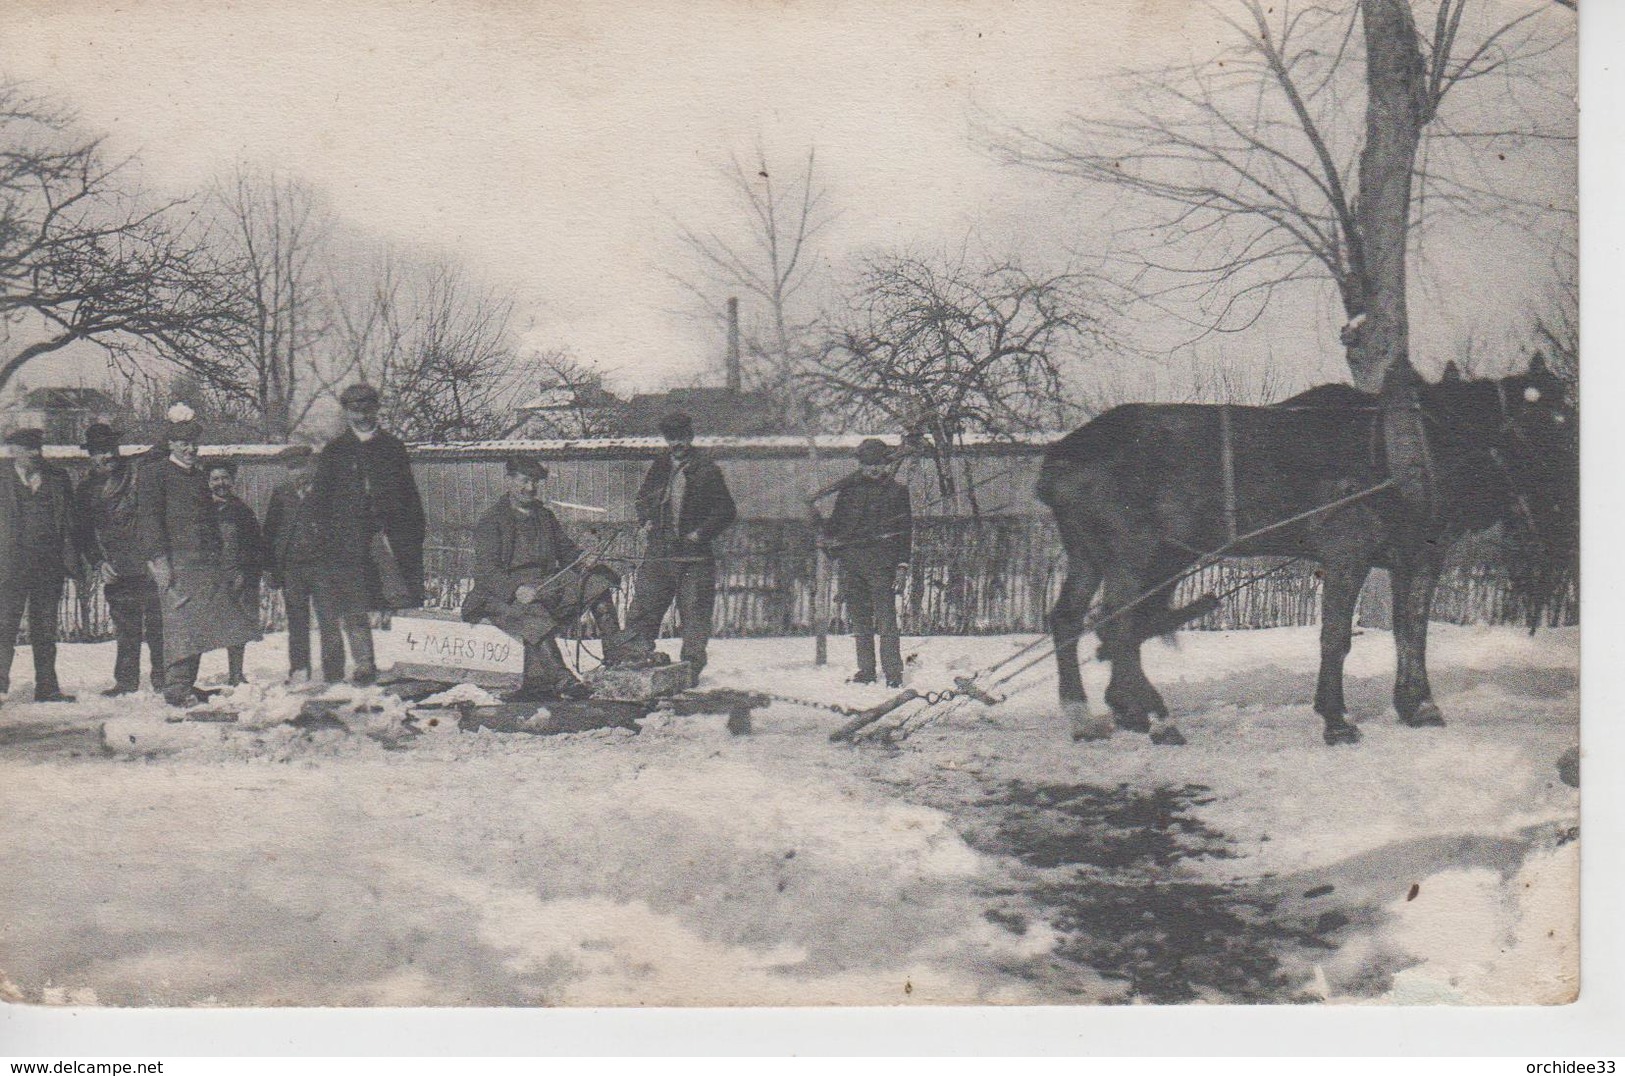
(978, 857)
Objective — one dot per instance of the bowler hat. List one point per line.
(527, 465)
(677, 426)
(99, 438)
(873, 451)
(359, 397)
(26, 438)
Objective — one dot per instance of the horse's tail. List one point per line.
(1098, 440)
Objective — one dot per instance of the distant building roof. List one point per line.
(717, 412)
(568, 398)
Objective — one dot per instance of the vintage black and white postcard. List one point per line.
(764, 504)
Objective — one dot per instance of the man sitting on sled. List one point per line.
(530, 580)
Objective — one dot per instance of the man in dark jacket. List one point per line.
(110, 546)
(683, 505)
(243, 551)
(294, 545)
(37, 551)
(871, 532)
(531, 579)
(372, 524)
(180, 537)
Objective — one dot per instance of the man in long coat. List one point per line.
(37, 551)
(243, 550)
(531, 580)
(294, 565)
(372, 524)
(180, 537)
(683, 505)
(870, 532)
(110, 546)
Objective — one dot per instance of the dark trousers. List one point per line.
(870, 592)
(299, 595)
(138, 616)
(358, 633)
(37, 588)
(180, 678)
(667, 574)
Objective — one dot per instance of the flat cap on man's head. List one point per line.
(677, 426)
(99, 438)
(359, 397)
(527, 465)
(228, 466)
(873, 451)
(28, 437)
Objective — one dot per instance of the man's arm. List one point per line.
(149, 504)
(255, 555)
(275, 516)
(904, 514)
(67, 521)
(412, 515)
(489, 571)
(653, 488)
(720, 510)
(84, 525)
(569, 552)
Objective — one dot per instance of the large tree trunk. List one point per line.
(1374, 297)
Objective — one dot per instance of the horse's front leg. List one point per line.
(1340, 589)
(1413, 584)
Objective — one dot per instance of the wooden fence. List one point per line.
(996, 574)
(967, 578)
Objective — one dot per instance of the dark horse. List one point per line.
(1146, 490)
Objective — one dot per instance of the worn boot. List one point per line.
(546, 675)
(891, 660)
(234, 666)
(866, 659)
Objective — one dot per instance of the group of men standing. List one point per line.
(181, 557)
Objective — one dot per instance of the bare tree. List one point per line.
(438, 346)
(276, 228)
(942, 348)
(1273, 177)
(1557, 326)
(85, 257)
(765, 257)
(579, 405)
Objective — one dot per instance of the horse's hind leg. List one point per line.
(1133, 701)
(1339, 592)
(1067, 621)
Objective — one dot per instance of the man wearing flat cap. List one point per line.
(531, 580)
(683, 505)
(180, 537)
(37, 551)
(372, 523)
(295, 559)
(110, 547)
(871, 532)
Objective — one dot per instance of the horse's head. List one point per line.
(1538, 448)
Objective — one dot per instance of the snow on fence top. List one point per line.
(600, 447)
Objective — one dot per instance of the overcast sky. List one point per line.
(550, 146)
